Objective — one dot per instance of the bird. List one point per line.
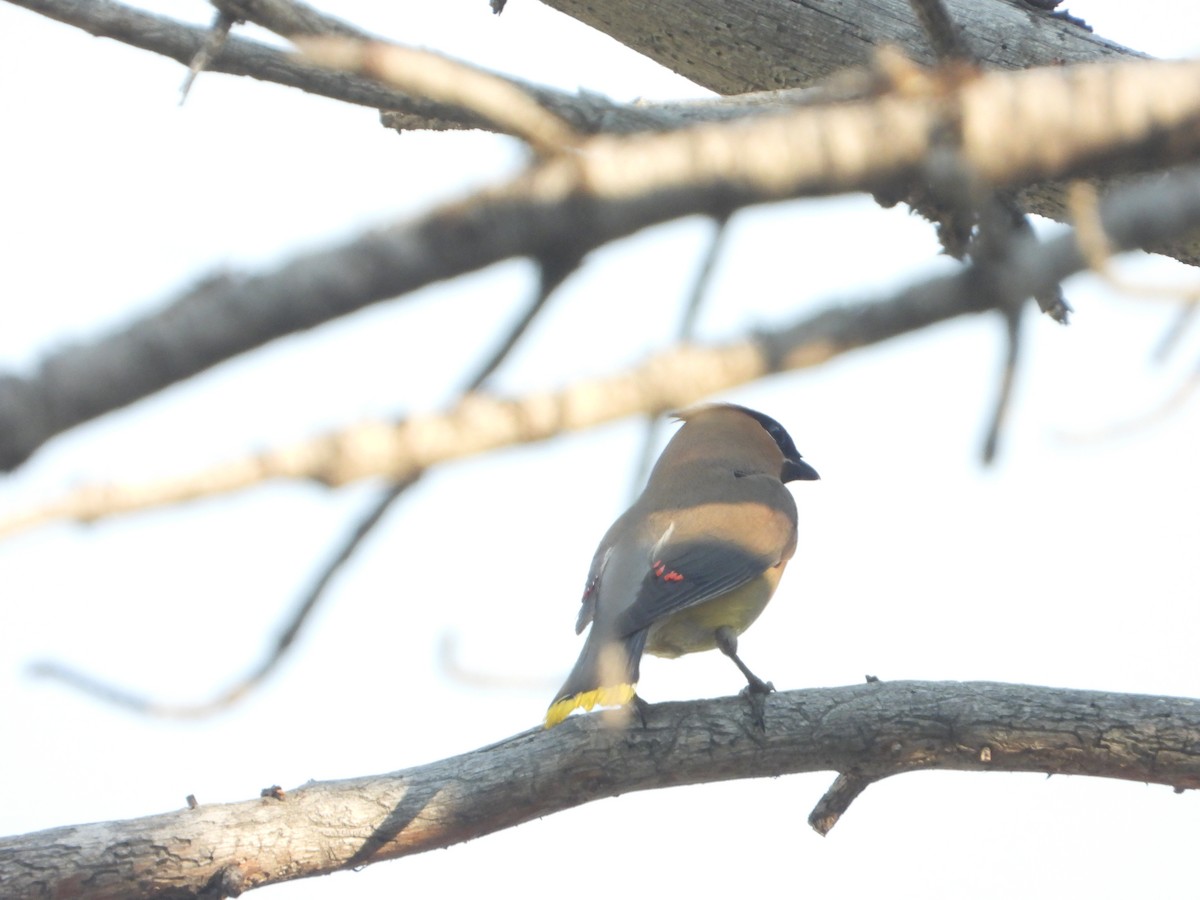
(692, 563)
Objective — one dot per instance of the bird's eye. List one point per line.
(738, 473)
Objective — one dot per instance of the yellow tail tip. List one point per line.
(614, 695)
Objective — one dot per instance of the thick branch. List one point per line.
(732, 48)
(1013, 132)
(877, 729)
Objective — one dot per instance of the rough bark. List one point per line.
(735, 46)
(866, 732)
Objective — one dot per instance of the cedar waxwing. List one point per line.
(696, 558)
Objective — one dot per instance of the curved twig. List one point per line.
(142, 704)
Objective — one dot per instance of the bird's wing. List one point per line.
(587, 609)
(604, 553)
(686, 574)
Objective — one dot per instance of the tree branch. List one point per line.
(1012, 133)
(794, 51)
(864, 731)
(290, 18)
(782, 44)
(146, 705)
(588, 113)
(732, 48)
(422, 73)
(672, 379)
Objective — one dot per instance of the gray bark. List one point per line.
(735, 46)
(866, 732)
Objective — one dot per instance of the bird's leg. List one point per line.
(727, 643)
(641, 707)
(756, 689)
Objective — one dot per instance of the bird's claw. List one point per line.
(758, 686)
(756, 694)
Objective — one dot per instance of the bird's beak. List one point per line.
(798, 470)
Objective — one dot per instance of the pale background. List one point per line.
(1070, 563)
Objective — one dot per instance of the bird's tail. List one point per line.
(605, 674)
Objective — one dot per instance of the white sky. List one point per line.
(1070, 563)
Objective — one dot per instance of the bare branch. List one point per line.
(552, 272)
(790, 44)
(289, 18)
(587, 113)
(672, 379)
(1013, 132)
(1175, 331)
(684, 334)
(145, 705)
(218, 35)
(732, 48)
(989, 219)
(1008, 376)
(237, 56)
(865, 731)
(1174, 403)
(845, 789)
(945, 37)
(435, 77)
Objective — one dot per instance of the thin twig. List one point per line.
(217, 36)
(553, 270)
(954, 228)
(1050, 298)
(1170, 406)
(144, 705)
(1008, 373)
(422, 73)
(944, 35)
(289, 18)
(835, 801)
(702, 282)
(1083, 209)
(1174, 333)
(684, 334)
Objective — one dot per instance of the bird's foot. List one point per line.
(756, 693)
(755, 685)
(638, 707)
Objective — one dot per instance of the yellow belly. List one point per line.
(694, 629)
